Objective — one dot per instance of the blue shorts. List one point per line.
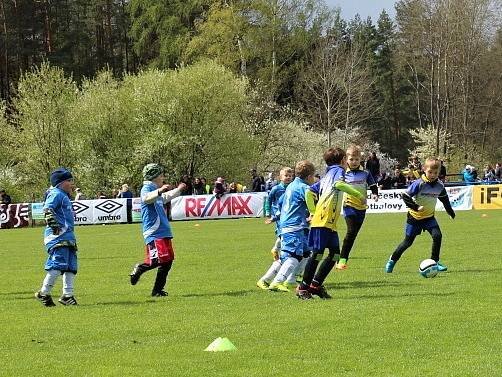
(63, 259)
(294, 243)
(322, 238)
(358, 214)
(416, 227)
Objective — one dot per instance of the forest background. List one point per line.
(214, 87)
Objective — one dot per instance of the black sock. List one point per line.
(309, 272)
(325, 268)
(353, 227)
(160, 280)
(401, 248)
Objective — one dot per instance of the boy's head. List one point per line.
(154, 173)
(62, 179)
(334, 156)
(305, 170)
(354, 156)
(286, 175)
(431, 168)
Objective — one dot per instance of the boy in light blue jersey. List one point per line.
(272, 212)
(59, 239)
(421, 198)
(156, 229)
(354, 209)
(294, 224)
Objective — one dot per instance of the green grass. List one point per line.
(377, 325)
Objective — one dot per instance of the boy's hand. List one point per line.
(268, 220)
(164, 188)
(52, 223)
(374, 197)
(309, 219)
(182, 186)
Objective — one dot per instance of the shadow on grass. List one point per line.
(215, 294)
(123, 303)
(470, 271)
(367, 284)
(17, 293)
(399, 295)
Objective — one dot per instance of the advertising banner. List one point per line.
(487, 197)
(14, 215)
(209, 207)
(37, 212)
(136, 210)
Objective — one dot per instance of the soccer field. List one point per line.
(377, 324)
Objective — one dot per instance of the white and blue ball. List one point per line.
(428, 268)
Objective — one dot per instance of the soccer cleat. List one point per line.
(63, 300)
(159, 293)
(135, 274)
(299, 278)
(303, 294)
(262, 284)
(341, 266)
(389, 266)
(275, 254)
(319, 291)
(442, 267)
(278, 287)
(46, 300)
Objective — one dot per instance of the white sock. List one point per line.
(277, 245)
(49, 281)
(286, 269)
(272, 271)
(301, 266)
(68, 280)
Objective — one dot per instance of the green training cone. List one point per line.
(220, 345)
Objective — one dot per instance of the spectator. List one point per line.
(270, 182)
(373, 165)
(498, 171)
(115, 193)
(207, 187)
(398, 180)
(188, 182)
(79, 195)
(385, 182)
(417, 165)
(489, 173)
(442, 172)
(198, 187)
(470, 174)
(4, 197)
(101, 195)
(256, 184)
(235, 187)
(125, 193)
(219, 187)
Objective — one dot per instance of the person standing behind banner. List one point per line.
(4, 198)
(156, 229)
(79, 195)
(198, 187)
(126, 194)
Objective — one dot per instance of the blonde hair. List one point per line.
(354, 150)
(432, 163)
(304, 168)
(285, 170)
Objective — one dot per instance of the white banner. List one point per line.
(209, 207)
(100, 211)
(390, 200)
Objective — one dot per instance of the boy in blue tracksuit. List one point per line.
(421, 198)
(59, 239)
(272, 211)
(157, 234)
(294, 224)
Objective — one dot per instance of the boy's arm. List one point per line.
(49, 215)
(410, 203)
(345, 187)
(310, 200)
(268, 201)
(446, 203)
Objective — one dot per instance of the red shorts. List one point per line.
(159, 251)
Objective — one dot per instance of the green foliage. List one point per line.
(42, 138)
(397, 324)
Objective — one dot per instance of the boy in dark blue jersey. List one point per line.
(156, 229)
(421, 198)
(59, 239)
(354, 209)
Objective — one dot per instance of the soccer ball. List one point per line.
(428, 268)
